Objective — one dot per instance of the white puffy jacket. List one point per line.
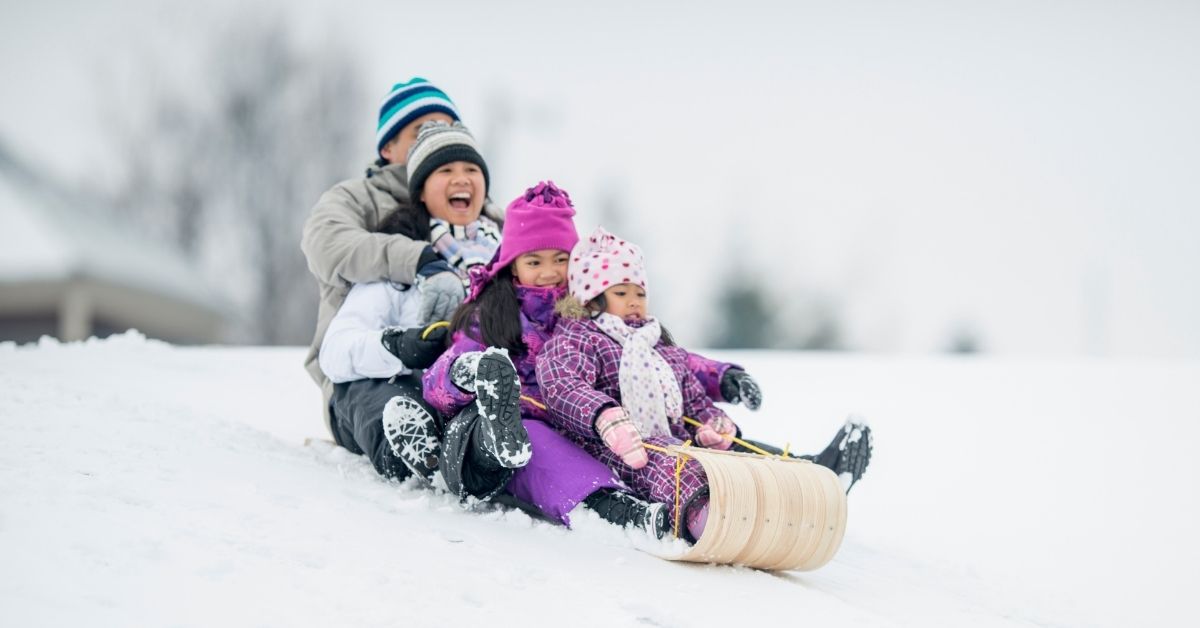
(352, 348)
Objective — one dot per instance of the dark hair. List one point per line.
(598, 304)
(498, 313)
(410, 219)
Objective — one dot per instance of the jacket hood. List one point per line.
(392, 178)
(570, 308)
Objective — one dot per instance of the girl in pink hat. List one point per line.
(485, 384)
(614, 379)
(489, 370)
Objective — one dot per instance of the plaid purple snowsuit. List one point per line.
(579, 372)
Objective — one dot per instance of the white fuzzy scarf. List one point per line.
(649, 391)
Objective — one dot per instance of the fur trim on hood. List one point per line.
(570, 307)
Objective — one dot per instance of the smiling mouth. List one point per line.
(460, 201)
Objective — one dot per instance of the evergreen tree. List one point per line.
(744, 318)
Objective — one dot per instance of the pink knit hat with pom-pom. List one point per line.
(541, 218)
(601, 262)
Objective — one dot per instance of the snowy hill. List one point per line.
(143, 484)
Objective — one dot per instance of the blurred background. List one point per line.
(1010, 178)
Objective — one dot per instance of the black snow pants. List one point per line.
(357, 409)
(358, 419)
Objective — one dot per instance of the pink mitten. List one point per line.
(622, 436)
(717, 433)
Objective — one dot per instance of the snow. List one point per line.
(147, 484)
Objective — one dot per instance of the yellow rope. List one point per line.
(758, 450)
(678, 490)
(535, 402)
(694, 422)
(680, 458)
(428, 330)
(679, 462)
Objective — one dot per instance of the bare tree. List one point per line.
(229, 164)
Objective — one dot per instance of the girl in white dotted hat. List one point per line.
(613, 380)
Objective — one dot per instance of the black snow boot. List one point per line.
(849, 453)
(466, 467)
(625, 510)
(497, 395)
(412, 434)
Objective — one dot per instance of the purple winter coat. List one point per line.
(559, 474)
(579, 372)
(537, 323)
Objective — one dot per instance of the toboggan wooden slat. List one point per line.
(769, 513)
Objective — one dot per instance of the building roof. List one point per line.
(49, 234)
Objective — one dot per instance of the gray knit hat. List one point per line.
(438, 144)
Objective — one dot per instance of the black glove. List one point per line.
(417, 347)
(738, 386)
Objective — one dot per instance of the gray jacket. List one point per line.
(342, 247)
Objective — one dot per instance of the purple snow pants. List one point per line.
(560, 474)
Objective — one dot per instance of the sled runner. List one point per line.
(767, 512)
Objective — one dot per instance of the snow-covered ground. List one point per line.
(143, 484)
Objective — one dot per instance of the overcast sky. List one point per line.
(1025, 169)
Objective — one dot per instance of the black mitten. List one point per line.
(417, 347)
(737, 386)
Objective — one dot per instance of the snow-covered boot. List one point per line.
(849, 453)
(467, 468)
(623, 509)
(411, 432)
(497, 395)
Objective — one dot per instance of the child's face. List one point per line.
(454, 193)
(546, 267)
(396, 150)
(627, 301)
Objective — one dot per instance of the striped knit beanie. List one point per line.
(407, 102)
(438, 144)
